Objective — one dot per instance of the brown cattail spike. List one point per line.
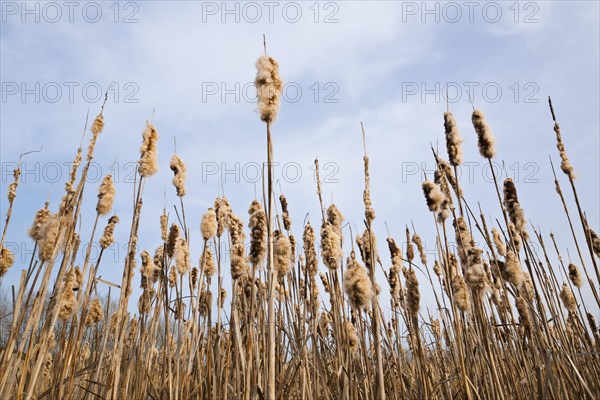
(485, 138)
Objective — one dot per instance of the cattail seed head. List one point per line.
(268, 88)
(148, 162)
(592, 323)
(419, 243)
(182, 256)
(106, 195)
(258, 233)
(164, 221)
(49, 237)
(453, 139)
(433, 195)
(310, 253)
(413, 295)
(410, 251)
(575, 276)
(524, 317)
(330, 246)
(511, 201)
(566, 296)
(351, 336)
(565, 163)
(357, 284)
(514, 234)
(369, 210)
(208, 226)
(335, 218)
(209, 268)
(238, 263)
(485, 138)
(95, 313)
(7, 259)
(97, 127)
(595, 240)
(40, 218)
(512, 270)
(172, 277)
(461, 294)
(282, 252)
(500, 246)
(222, 209)
(285, 215)
(149, 270)
(222, 297)
(179, 170)
(67, 300)
(108, 236)
(172, 239)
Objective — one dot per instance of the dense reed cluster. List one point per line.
(303, 318)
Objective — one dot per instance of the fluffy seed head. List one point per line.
(595, 242)
(330, 246)
(575, 276)
(268, 88)
(351, 337)
(209, 263)
(106, 195)
(500, 246)
(453, 139)
(485, 138)
(335, 218)
(94, 313)
(182, 256)
(282, 253)
(7, 259)
(357, 284)
(461, 294)
(222, 209)
(208, 226)
(258, 233)
(413, 295)
(512, 270)
(108, 236)
(417, 241)
(310, 253)
(40, 218)
(49, 237)
(67, 300)
(566, 296)
(179, 170)
(433, 195)
(148, 162)
(511, 201)
(524, 318)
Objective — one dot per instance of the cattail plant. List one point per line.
(357, 284)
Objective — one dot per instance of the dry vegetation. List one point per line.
(303, 318)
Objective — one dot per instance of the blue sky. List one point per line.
(383, 63)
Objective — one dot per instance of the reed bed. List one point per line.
(303, 317)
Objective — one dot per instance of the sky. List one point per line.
(189, 67)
